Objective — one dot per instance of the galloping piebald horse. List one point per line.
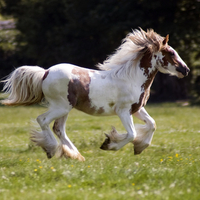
(120, 87)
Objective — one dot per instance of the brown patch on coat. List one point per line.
(45, 74)
(111, 104)
(142, 102)
(99, 111)
(145, 64)
(78, 92)
(136, 106)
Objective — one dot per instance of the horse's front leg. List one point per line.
(144, 132)
(116, 141)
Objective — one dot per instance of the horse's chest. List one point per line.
(142, 102)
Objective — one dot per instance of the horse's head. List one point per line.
(170, 62)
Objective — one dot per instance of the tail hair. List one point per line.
(24, 86)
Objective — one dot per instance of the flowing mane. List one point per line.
(132, 48)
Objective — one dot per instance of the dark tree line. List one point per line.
(85, 32)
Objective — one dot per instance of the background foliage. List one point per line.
(85, 32)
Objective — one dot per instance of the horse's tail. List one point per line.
(24, 86)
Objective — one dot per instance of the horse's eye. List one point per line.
(172, 53)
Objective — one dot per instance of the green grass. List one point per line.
(168, 169)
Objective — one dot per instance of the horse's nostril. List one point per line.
(187, 70)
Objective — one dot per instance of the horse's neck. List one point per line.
(139, 73)
(148, 66)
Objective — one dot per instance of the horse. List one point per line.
(120, 86)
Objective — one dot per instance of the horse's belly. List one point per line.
(92, 109)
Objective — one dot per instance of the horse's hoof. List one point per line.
(104, 146)
(137, 152)
(49, 156)
(139, 149)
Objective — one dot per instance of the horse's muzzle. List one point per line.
(183, 69)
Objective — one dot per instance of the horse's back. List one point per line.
(61, 79)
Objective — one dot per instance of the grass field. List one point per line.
(168, 169)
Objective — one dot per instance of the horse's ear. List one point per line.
(165, 41)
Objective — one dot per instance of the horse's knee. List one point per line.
(152, 125)
(39, 120)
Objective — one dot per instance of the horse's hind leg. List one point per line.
(144, 132)
(67, 148)
(46, 138)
